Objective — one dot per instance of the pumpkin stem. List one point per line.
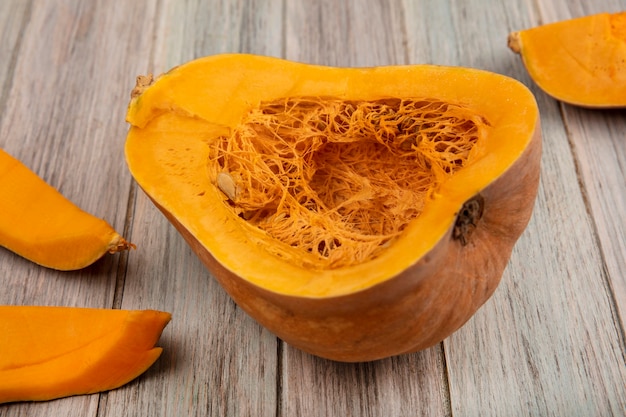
(143, 82)
(468, 218)
(121, 245)
(513, 42)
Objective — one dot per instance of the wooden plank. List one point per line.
(537, 347)
(81, 406)
(598, 142)
(14, 16)
(341, 34)
(408, 385)
(63, 117)
(192, 29)
(217, 360)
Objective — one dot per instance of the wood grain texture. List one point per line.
(14, 16)
(191, 29)
(341, 33)
(598, 142)
(410, 385)
(550, 342)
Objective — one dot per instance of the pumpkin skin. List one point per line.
(53, 352)
(41, 225)
(579, 61)
(414, 294)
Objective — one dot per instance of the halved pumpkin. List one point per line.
(579, 61)
(40, 224)
(357, 213)
(54, 352)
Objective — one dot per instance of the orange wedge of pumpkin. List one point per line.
(40, 224)
(54, 352)
(579, 61)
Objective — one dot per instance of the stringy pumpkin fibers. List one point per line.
(338, 180)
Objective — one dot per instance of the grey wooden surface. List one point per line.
(550, 342)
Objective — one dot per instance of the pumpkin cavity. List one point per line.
(341, 179)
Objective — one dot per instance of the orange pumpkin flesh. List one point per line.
(54, 352)
(580, 61)
(40, 224)
(422, 283)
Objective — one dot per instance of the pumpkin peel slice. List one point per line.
(253, 181)
(89, 350)
(580, 61)
(41, 225)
